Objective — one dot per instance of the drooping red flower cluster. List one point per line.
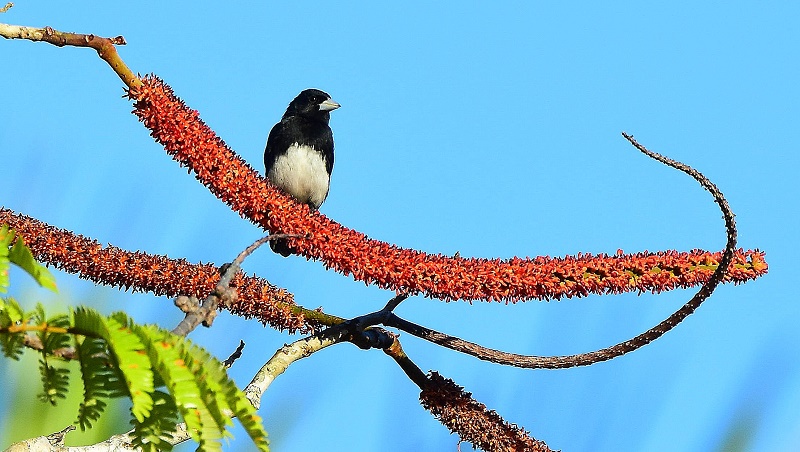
(144, 272)
(193, 144)
(459, 412)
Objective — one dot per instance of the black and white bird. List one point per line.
(299, 153)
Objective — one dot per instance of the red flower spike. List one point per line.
(193, 144)
(144, 272)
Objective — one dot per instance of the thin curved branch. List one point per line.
(583, 359)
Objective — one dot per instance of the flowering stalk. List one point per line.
(160, 275)
(193, 144)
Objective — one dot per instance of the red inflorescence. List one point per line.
(193, 144)
(152, 273)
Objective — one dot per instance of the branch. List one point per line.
(352, 330)
(455, 409)
(234, 356)
(116, 443)
(104, 46)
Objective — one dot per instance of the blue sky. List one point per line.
(485, 129)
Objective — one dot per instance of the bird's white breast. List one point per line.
(301, 172)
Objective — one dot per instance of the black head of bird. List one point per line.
(313, 105)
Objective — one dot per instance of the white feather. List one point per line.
(301, 172)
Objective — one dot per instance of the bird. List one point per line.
(299, 153)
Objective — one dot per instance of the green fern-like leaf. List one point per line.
(6, 239)
(53, 340)
(10, 312)
(118, 358)
(222, 392)
(55, 382)
(252, 422)
(11, 315)
(154, 433)
(203, 365)
(96, 374)
(21, 256)
(12, 345)
(126, 351)
(171, 363)
(134, 364)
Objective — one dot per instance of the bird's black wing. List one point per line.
(279, 140)
(324, 144)
(319, 136)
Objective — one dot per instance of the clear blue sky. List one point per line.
(489, 130)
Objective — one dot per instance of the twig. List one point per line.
(409, 367)
(104, 46)
(35, 343)
(206, 311)
(234, 356)
(54, 442)
(379, 317)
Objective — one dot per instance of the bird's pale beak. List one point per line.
(328, 105)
